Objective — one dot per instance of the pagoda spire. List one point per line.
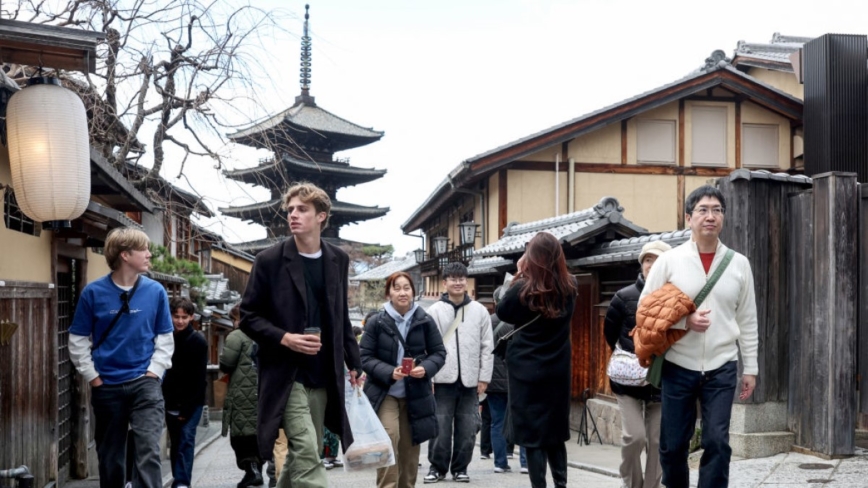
(306, 59)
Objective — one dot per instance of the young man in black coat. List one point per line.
(295, 308)
(184, 390)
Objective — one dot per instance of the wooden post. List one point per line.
(833, 389)
(801, 279)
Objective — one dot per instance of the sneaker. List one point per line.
(433, 477)
(461, 478)
(502, 470)
(328, 464)
(338, 463)
(523, 470)
(485, 457)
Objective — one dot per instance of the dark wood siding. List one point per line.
(237, 278)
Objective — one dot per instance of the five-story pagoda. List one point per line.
(304, 139)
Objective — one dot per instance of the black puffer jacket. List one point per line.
(499, 382)
(620, 320)
(379, 351)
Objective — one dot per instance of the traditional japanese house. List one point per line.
(303, 139)
(370, 294)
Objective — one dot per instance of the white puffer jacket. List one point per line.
(469, 349)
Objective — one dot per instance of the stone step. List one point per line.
(761, 444)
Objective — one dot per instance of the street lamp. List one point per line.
(440, 244)
(468, 232)
(419, 254)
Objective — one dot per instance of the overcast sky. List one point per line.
(446, 80)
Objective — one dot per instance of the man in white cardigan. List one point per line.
(466, 328)
(703, 364)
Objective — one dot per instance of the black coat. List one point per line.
(184, 384)
(498, 382)
(379, 350)
(539, 362)
(620, 320)
(274, 303)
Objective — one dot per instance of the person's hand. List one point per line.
(520, 264)
(699, 321)
(481, 387)
(748, 383)
(304, 343)
(417, 372)
(152, 375)
(96, 382)
(397, 375)
(354, 378)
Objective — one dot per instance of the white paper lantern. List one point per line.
(49, 151)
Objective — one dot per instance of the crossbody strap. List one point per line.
(703, 294)
(394, 328)
(125, 307)
(448, 334)
(511, 333)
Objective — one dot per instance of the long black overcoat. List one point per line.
(379, 348)
(274, 303)
(538, 361)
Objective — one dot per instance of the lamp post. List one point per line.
(468, 232)
(49, 152)
(419, 254)
(440, 244)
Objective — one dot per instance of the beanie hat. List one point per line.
(654, 247)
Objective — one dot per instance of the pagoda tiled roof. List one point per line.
(339, 209)
(306, 115)
(259, 174)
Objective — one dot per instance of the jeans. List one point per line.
(556, 456)
(457, 419)
(182, 437)
(485, 430)
(715, 391)
(522, 456)
(497, 407)
(134, 408)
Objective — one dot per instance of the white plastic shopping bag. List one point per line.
(371, 447)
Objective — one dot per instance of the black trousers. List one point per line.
(536, 465)
(485, 431)
(246, 450)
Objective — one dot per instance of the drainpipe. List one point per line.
(557, 184)
(22, 476)
(571, 186)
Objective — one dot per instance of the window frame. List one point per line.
(707, 109)
(671, 124)
(14, 219)
(775, 129)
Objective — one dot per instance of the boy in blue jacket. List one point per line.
(121, 342)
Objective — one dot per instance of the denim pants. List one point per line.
(497, 407)
(715, 391)
(134, 408)
(182, 438)
(458, 420)
(485, 431)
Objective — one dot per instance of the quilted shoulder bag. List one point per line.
(624, 368)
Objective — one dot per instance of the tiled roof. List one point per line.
(166, 278)
(217, 290)
(326, 168)
(311, 117)
(745, 174)
(627, 250)
(492, 265)
(566, 228)
(777, 52)
(338, 208)
(383, 271)
(257, 245)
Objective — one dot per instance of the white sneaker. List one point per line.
(523, 470)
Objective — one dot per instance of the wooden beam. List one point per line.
(624, 141)
(679, 206)
(501, 202)
(681, 132)
(565, 150)
(738, 135)
(631, 169)
(697, 98)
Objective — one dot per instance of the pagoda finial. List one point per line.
(305, 55)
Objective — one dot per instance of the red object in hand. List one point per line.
(407, 365)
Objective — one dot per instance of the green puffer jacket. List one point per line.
(239, 409)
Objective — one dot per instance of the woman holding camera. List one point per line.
(401, 350)
(540, 303)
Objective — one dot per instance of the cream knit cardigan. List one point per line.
(732, 303)
(473, 346)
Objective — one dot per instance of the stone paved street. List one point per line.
(215, 468)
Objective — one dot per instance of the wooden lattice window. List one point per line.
(14, 218)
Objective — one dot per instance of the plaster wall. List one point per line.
(603, 146)
(531, 195)
(493, 208)
(23, 257)
(234, 261)
(648, 200)
(97, 267)
(785, 82)
(154, 227)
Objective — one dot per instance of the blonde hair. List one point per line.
(123, 239)
(310, 194)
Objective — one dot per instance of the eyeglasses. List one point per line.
(461, 279)
(704, 211)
